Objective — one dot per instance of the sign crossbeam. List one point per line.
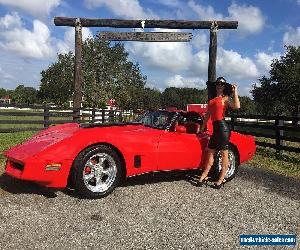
(168, 24)
(146, 36)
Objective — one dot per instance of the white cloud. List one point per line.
(292, 36)
(10, 21)
(26, 43)
(123, 8)
(249, 17)
(166, 55)
(36, 8)
(68, 44)
(298, 2)
(232, 65)
(264, 60)
(205, 13)
(5, 76)
(200, 41)
(189, 82)
(200, 63)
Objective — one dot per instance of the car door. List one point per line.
(180, 150)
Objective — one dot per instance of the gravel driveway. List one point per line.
(160, 211)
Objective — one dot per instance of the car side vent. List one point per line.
(18, 166)
(137, 161)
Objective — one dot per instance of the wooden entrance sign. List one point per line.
(214, 26)
(146, 36)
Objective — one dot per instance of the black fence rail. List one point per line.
(16, 118)
(283, 129)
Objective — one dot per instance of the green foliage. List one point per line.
(107, 74)
(57, 81)
(3, 92)
(152, 99)
(247, 106)
(180, 97)
(24, 95)
(280, 93)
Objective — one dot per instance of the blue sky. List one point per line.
(29, 41)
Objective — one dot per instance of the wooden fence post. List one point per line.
(232, 120)
(93, 115)
(111, 116)
(103, 115)
(120, 116)
(278, 133)
(76, 114)
(46, 116)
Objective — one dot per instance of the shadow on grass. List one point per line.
(14, 186)
(273, 182)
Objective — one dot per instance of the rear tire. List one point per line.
(233, 158)
(96, 172)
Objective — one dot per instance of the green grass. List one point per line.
(7, 140)
(284, 163)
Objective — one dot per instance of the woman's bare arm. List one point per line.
(235, 102)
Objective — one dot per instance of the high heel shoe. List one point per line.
(216, 186)
(201, 183)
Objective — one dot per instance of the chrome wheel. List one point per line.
(231, 163)
(99, 172)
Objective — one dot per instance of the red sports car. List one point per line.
(94, 158)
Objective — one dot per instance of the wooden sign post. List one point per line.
(78, 79)
(119, 23)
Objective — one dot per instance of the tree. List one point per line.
(3, 92)
(24, 95)
(107, 74)
(57, 81)
(247, 107)
(152, 99)
(180, 97)
(280, 93)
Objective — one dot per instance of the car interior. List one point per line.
(188, 123)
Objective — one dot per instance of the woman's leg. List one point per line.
(209, 163)
(224, 154)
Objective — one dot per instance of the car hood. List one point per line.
(56, 134)
(41, 141)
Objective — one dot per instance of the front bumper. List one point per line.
(38, 172)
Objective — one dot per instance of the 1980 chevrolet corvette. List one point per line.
(94, 158)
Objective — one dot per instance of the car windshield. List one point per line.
(159, 119)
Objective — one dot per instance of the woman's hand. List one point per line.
(234, 88)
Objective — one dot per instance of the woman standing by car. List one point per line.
(221, 134)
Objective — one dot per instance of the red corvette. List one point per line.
(94, 158)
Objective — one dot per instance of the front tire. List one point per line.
(233, 159)
(96, 172)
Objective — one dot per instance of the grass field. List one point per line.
(286, 163)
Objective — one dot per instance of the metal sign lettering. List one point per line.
(146, 36)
